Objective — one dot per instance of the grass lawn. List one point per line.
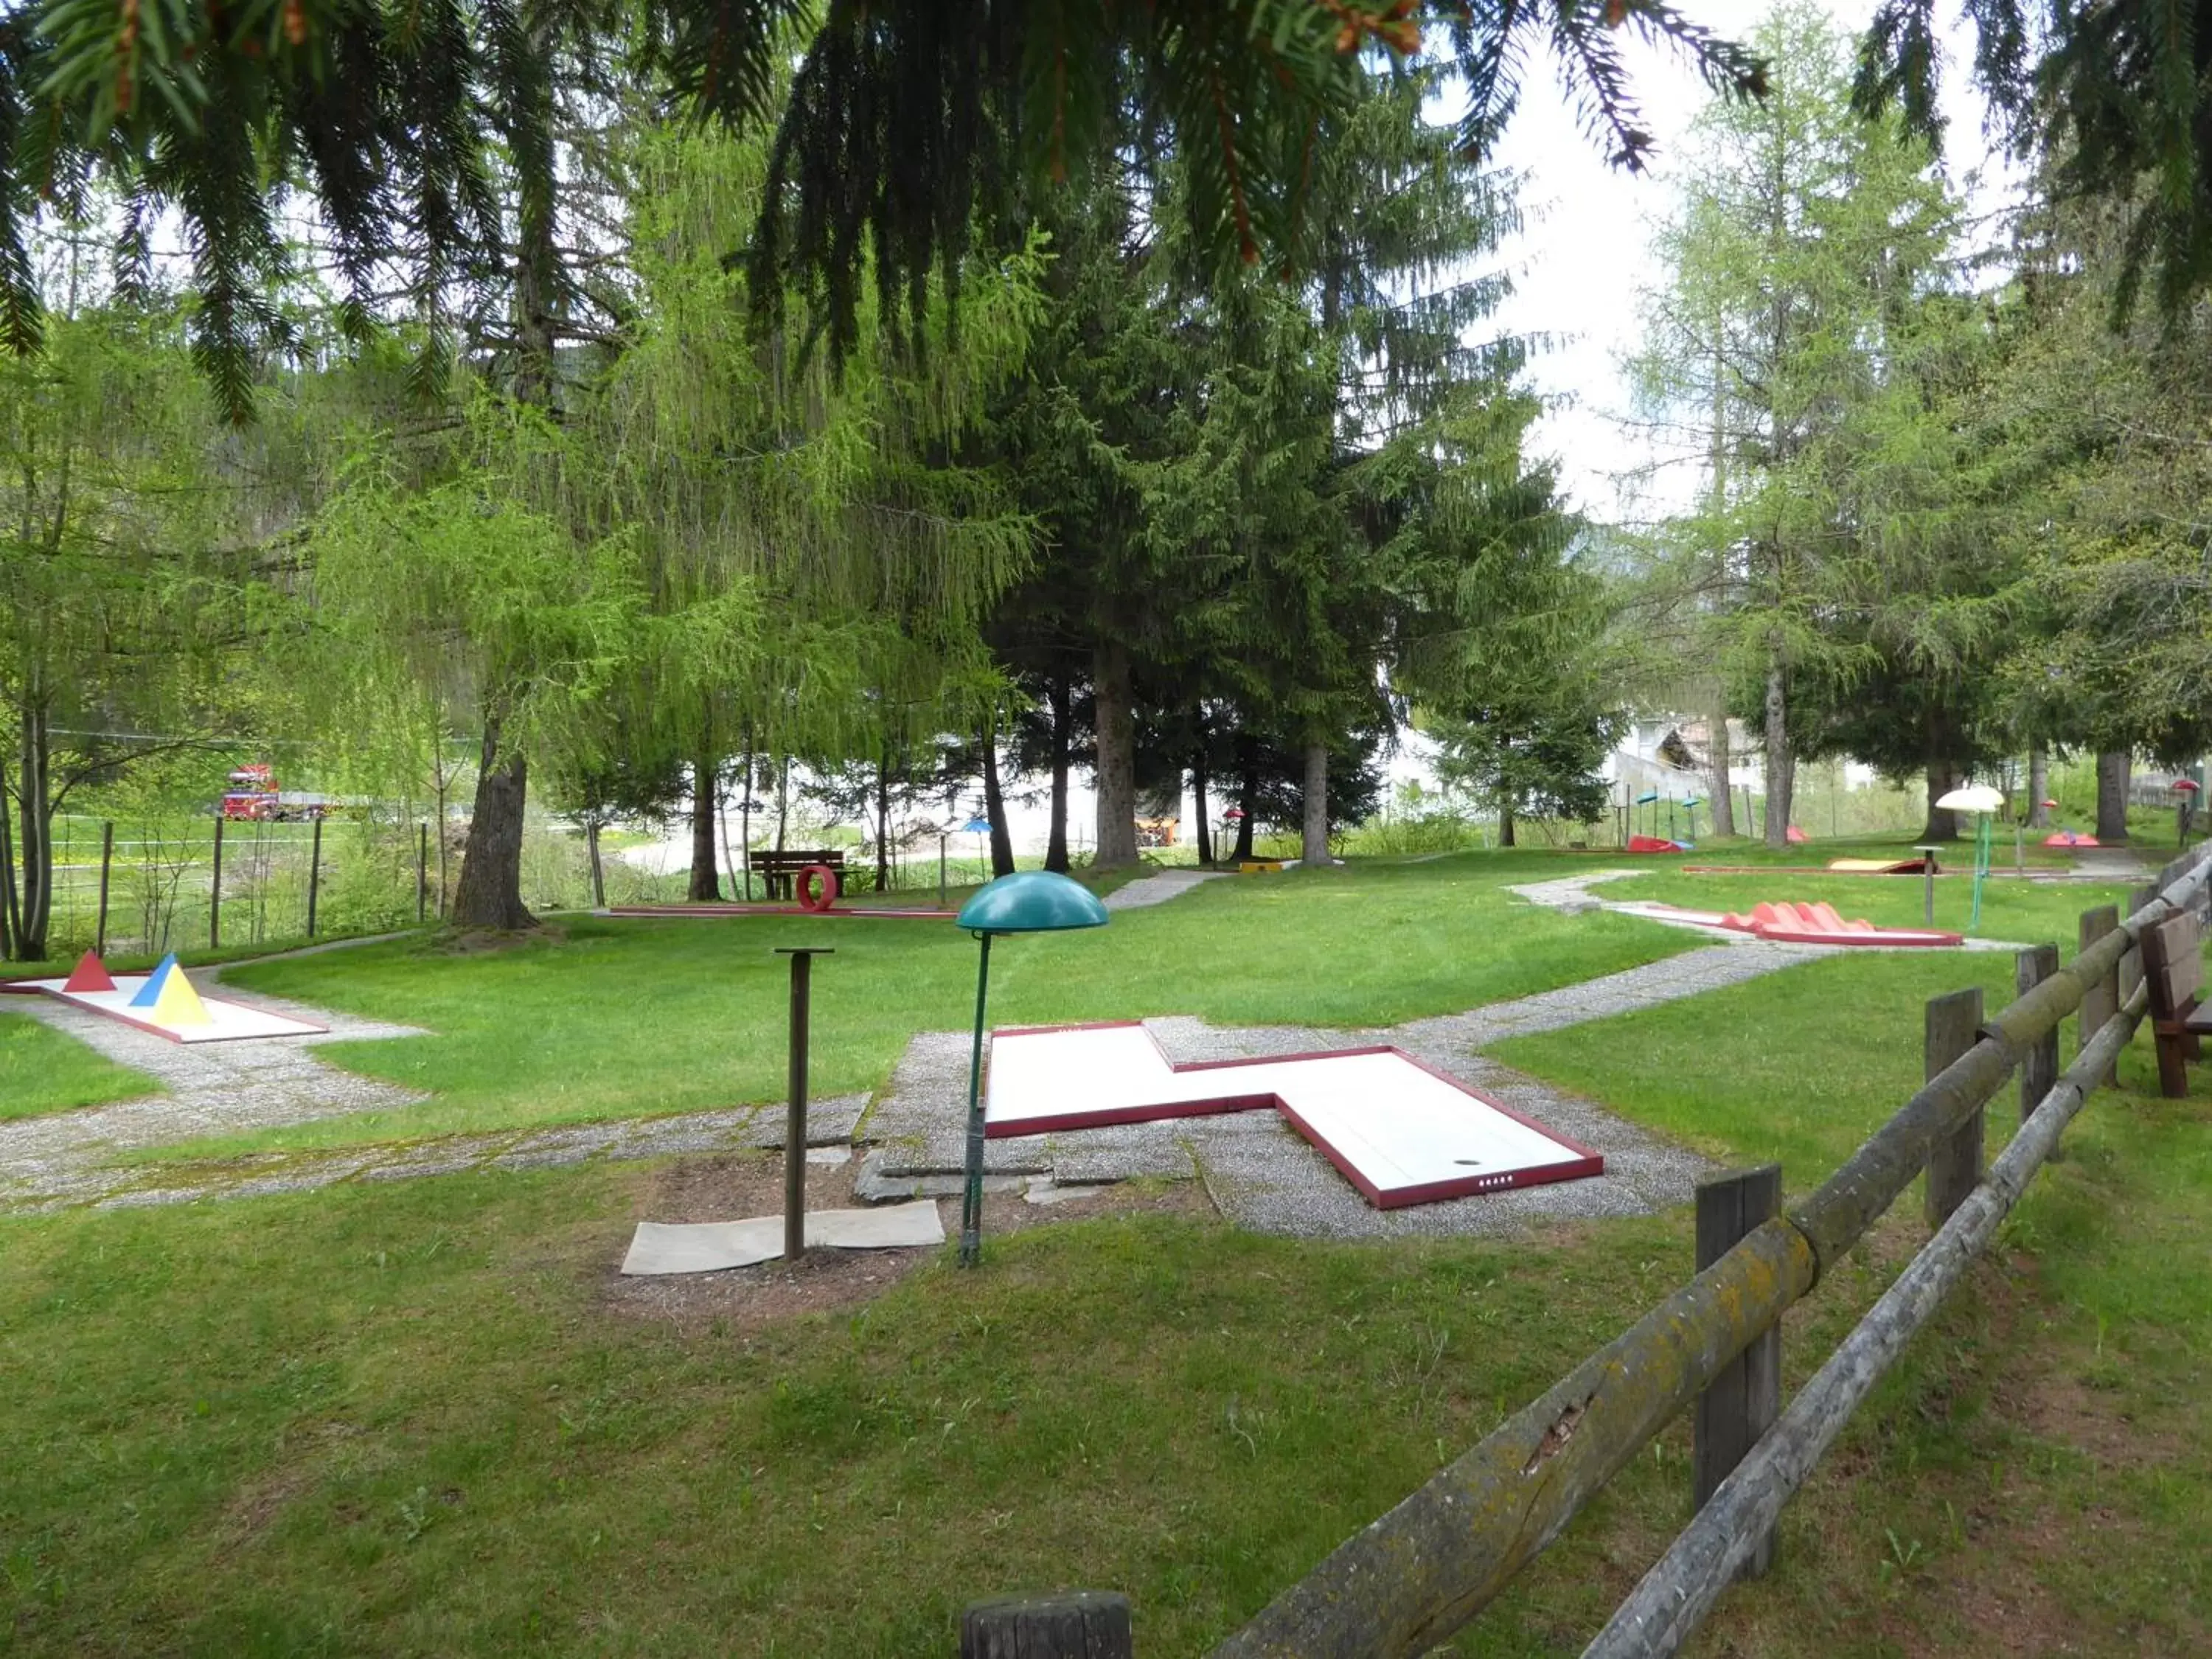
(613, 1017)
(408, 1419)
(41, 1070)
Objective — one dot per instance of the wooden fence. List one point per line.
(1407, 1580)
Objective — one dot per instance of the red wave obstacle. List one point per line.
(1655, 844)
(1818, 923)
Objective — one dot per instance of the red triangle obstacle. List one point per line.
(90, 974)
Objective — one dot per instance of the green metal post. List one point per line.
(794, 1123)
(971, 1194)
(1981, 867)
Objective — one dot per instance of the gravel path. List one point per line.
(1158, 888)
(1264, 1175)
(1258, 1171)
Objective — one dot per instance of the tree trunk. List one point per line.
(705, 882)
(746, 823)
(1313, 837)
(2112, 797)
(1778, 755)
(782, 798)
(8, 910)
(34, 843)
(2038, 786)
(884, 825)
(1205, 835)
(1313, 843)
(1116, 767)
(1505, 827)
(1055, 846)
(489, 891)
(1942, 823)
(994, 805)
(1247, 796)
(1720, 764)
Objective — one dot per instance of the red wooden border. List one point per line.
(118, 1014)
(1586, 1160)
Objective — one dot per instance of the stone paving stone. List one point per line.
(1158, 889)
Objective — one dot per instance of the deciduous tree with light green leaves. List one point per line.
(1808, 242)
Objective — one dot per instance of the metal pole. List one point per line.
(941, 872)
(214, 892)
(972, 1193)
(794, 1121)
(106, 853)
(314, 872)
(422, 870)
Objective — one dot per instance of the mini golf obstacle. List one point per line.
(1399, 1131)
(165, 1003)
(1781, 922)
(883, 913)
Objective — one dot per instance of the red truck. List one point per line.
(253, 797)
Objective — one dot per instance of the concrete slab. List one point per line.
(712, 1246)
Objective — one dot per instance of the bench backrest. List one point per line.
(798, 858)
(2173, 966)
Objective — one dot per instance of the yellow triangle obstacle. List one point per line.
(178, 1004)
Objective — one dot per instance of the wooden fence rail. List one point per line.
(1406, 1581)
(1674, 1596)
(1412, 1578)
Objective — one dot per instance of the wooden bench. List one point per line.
(2174, 969)
(778, 869)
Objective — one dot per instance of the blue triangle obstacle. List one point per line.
(151, 992)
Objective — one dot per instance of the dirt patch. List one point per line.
(2052, 1404)
(732, 1187)
(482, 941)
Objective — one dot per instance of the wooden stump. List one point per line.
(1080, 1625)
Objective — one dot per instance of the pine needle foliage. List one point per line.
(908, 122)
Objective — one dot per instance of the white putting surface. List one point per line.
(707, 1247)
(1399, 1131)
(226, 1021)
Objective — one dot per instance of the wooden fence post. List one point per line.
(2130, 969)
(1082, 1624)
(1954, 1163)
(1742, 1402)
(2039, 1067)
(214, 892)
(314, 872)
(2100, 1002)
(106, 856)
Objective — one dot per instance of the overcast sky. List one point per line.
(1586, 256)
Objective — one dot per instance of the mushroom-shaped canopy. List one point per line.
(1034, 901)
(1973, 798)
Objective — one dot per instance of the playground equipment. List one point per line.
(1399, 1131)
(1036, 901)
(164, 1002)
(1983, 804)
